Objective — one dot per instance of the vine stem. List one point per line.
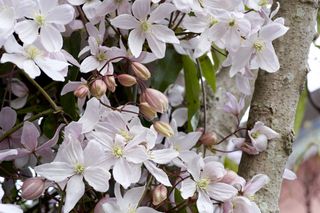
(18, 126)
(44, 93)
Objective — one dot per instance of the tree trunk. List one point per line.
(276, 96)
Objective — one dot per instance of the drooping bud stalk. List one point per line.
(163, 128)
(126, 80)
(110, 82)
(147, 111)
(159, 194)
(32, 188)
(82, 91)
(208, 139)
(140, 70)
(98, 88)
(156, 99)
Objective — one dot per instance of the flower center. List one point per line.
(213, 21)
(203, 183)
(263, 2)
(132, 210)
(145, 26)
(126, 135)
(101, 56)
(255, 135)
(259, 45)
(232, 23)
(39, 19)
(117, 151)
(32, 52)
(79, 169)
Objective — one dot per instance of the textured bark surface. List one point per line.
(276, 96)
(217, 120)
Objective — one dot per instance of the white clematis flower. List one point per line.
(73, 164)
(48, 18)
(147, 28)
(31, 58)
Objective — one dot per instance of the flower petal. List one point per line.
(157, 47)
(164, 34)
(221, 191)
(30, 135)
(188, 188)
(8, 118)
(98, 178)
(159, 174)
(74, 191)
(51, 38)
(62, 14)
(55, 171)
(135, 41)
(161, 12)
(141, 8)
(89, 64)
(125, 21)
(27, 31)
(51, 67)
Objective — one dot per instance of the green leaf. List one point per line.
(208, 71)
(192, 89)
(165, 71)
(179, 199)
(230, 164)
(300, 110)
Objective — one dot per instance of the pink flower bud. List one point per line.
(98, 208)
(110, 82)
(156, 99)
(208, 139)
(159, 194)
(163, 128)
(140, 71)
(127, 80)
(32, 188)
(98, 88)
(147, 111)
(82, 91)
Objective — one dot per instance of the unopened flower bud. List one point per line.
(127, 80)
(98, 88)
(159, 194)
(82, 91)
(208, 139)
(32, 188)
(147, 111)
(140, 71)
(110, 82)
(163, 128)
(156, 99)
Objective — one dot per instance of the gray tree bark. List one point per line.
(276, 96)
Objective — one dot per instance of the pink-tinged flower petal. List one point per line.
(159, 174)
(74, 192)
(93, 149)
(72, 153)
(52, 67)
(221, 191)
(55, 171)
(89, 64)
(12, 46)
(289, 175)
(272, 31)
(141, 8)
(31, 68)
(30, 135)
(8, 118)
(125, 21)
(7, 18)
(18, 88)
(132, 197)
(62, 14)
(157, 47)
(146, 210)
(17, 59)
(214, 171)
(53, 141)
(70, 58)
(135, 41)
(18, 103)
(98, 178)
(163, 156)
(195, 166)
(204, 204)
(27, 31)
(7, 153)
(76, 2)
(188, 188)
(91, 115)
(268, 60)
(255, 184)
(46, 5)
(164, 34)
(126, 173)
(242, 204)
(51, 38)
(180, 115)
(136, 155)
(70, 87)
(161, 12)
(10, 208)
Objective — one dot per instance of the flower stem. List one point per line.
(44, 93)
(18, 126)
